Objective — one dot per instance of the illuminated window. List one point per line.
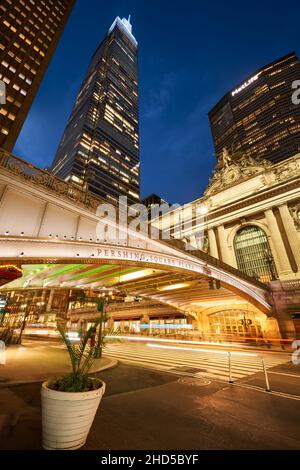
(253, 253)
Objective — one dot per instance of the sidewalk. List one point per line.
(146, 409)
(26, 364)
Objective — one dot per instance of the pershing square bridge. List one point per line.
(48, 228)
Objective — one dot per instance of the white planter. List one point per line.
(67, 417)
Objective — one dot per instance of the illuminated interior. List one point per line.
(185, 292)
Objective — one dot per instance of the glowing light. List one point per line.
(37, 332)
(11, 266)
(245, 85)
(40, 332)
(73, 335)
(203, 209)
(174, 286)
(215, 351)
(176, 341)
(170, 326)
(215, 303)
(135, 275)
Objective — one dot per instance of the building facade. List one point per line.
(258, 117)
(99, 149)
(134, 316)
(252, 223)
(40, 307)
(29, 35)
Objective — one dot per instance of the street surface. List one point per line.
(197, 360)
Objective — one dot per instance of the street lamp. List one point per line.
(26, 315)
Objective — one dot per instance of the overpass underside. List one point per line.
(157, 295)
(184, 291)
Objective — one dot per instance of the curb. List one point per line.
(110, 365)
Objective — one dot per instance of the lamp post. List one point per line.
(26, 315)
(101, 307)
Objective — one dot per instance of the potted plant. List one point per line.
(70, 403)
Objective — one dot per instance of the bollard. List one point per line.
(229, 365)
(268, 389)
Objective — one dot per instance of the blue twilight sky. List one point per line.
(190, 54)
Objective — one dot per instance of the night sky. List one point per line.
(190, 54)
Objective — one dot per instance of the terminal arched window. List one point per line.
(253, 253)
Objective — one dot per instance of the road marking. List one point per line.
(271, 392)
(180, 348)
(209, 364)
(283, 373)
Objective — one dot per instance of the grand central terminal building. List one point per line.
(251, 222)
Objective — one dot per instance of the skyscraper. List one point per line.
(258, 117)
(99, 150)
(29, 33)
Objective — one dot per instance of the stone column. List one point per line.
(213, 249)
(282, 258)
(146, 321)
(225, 252)
(291, 232)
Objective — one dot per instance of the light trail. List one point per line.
(215, 351)
(181, 341)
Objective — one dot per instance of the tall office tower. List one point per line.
(258, 117)
(29, 33)
(99, 150)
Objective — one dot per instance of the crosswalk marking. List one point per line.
(210, 364)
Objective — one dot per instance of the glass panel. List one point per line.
(235, 322)
(253, 254)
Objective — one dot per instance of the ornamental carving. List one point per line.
(46, 180)
(233, 168)
(287, 171)
(295, 213)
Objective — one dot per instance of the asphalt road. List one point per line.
(148, 409)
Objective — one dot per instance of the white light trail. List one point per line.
(215, 351)
(178, 341)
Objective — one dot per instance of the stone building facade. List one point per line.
(251, 221)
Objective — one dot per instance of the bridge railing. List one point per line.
(46, 180)
(182, 246)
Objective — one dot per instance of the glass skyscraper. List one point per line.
(29, 33)
(99, 150)
(258, 117)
